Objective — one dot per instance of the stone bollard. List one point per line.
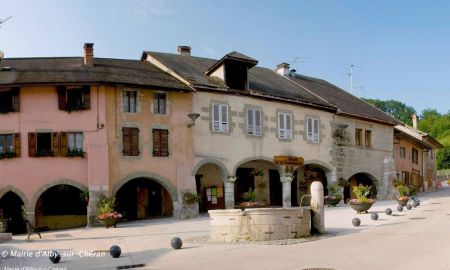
(317, 209)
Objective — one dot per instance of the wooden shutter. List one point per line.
(87, 97)
(281, 127)
(288, 119)
(156, 142)
(17, 146)
(63, 144)
(250, 122)
(62, 100)
(16, 100)
(126, 141)
(134, 141)
(31, 144)
(164, 143)
(55, 143)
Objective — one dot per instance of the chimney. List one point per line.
(414, 120)
(283, 69)
(184, 50)
(292, 73)
(88, 54)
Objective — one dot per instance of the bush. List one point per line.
(190, 198)
(334, 191)
(249, 196)
(402, 189)
(106, 205)
(362, 193)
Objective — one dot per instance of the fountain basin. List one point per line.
(260, 224)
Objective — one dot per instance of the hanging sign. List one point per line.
(288, 160)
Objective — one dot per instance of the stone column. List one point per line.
(30, 214)
(229, 192)
(317, 208)
(286, 181)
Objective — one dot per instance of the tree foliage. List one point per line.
(438, 126)
(397, 109)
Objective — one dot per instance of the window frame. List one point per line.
(157, 103)
(368, 139)
(359, 137)
(4, 148)
(132, 152)
(254, 128)
(159, 132)
(313, 136)
(285, 133)
(126, 101)
(77, 140)
(402, 151)
(415, 156)
(219, 125)
(12, 103)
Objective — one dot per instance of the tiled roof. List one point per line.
(262, 81)
(344, 101)
(59, 70)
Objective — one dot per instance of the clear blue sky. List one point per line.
(403, 47)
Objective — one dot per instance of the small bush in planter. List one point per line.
(249, 196)
(190, 198)
(334, 192)
(362, 194)
(105, 208)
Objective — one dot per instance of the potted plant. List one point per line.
(403, 192)
(362, 203)
(3, 224)
(334, 195)
(190, 198)
(250, 201)
(107, 216)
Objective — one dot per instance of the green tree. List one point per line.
(443, 158)
(397, 109)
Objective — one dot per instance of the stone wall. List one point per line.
(376, 160)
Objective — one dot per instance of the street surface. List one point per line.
(414, 239)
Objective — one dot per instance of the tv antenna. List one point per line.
(362, 90)
(4, 20)
(300, 59)
(351, 69)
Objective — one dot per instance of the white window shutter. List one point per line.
(250, 122)
(216, 118)
(316, 131)
(281, 131)
(258, 122)
(224, 119)
(288, 119)
(309, 133)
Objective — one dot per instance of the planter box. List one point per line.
(361, 207)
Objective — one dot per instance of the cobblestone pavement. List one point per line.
(413, 239)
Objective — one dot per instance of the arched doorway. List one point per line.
(307, 174)
(263, 178)
(61, 207)
(360, 179)
(11, 210)
(143, 198)
(210, 187)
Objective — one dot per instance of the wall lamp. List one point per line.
(193, 117)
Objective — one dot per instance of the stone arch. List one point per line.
(217, 162)
(366, 175)
(43, 188)
(245, 160)
(152, 176)
(320, 163)
(16, 191)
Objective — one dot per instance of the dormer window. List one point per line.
(9, 100)
(233, 70)
(74, 98)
